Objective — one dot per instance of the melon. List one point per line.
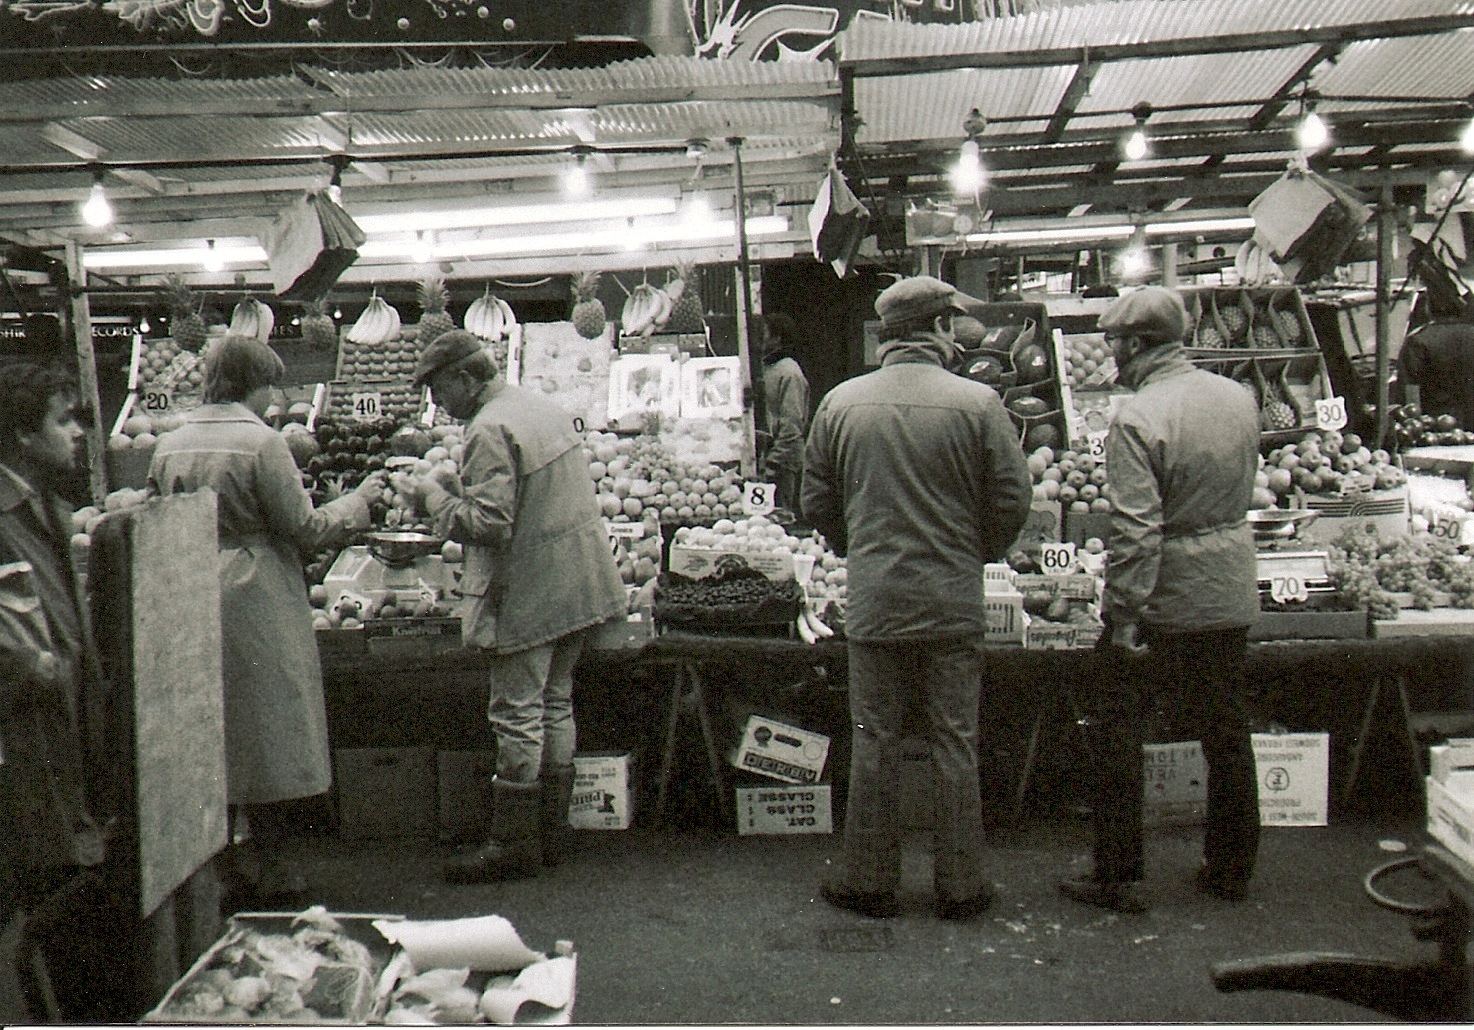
(1029, 406)
(1031, 363)
(303, 446)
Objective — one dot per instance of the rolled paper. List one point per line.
(485, 943)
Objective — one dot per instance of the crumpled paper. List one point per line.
(540, 995)
(486, 943)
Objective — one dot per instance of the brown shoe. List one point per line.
(877, 904)
(1118, 897)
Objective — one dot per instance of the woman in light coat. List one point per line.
(276, 741)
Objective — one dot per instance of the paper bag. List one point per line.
(309, 245)
(1286, 213)
(837, 222)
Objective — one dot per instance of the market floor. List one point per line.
(709, 927)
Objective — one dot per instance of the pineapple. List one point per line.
(685, 314)
(1290, 327)
(187, 325)
(589, 317)
(434, 319)
(1276, 415)
(1235, 323)
(1209, 337)
(318, 330)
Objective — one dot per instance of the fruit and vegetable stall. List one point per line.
(1362, 567)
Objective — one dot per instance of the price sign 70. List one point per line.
(1284, 589)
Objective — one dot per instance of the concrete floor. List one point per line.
(706, 927)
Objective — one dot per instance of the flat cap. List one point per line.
(445, 349)
(919, 297)
(1154, 313)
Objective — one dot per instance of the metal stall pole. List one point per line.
(752, 400)
(1386, 230)
(81, 325)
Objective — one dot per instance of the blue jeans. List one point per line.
(531, 708)
(939, 680)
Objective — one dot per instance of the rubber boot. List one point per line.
(557, 834)
(514, 851)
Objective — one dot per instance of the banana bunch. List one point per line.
(811, 629)
(646, 309)
(252, 318)
(490, 317)
(378, 324)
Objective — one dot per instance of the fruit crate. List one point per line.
(1248, 320)
(392, 360)
(346, 400)
(1299, 379)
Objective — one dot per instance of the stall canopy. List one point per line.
(1218, 89)
(463, 163)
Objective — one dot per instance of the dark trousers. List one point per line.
(1203, 675)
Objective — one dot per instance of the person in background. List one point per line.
(1181, 592)
(48, 660)
(276, 739)
(916, 475)
(536, 576)
(785, 409)
(1436, 367)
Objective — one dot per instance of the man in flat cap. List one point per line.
(537, 574)
(1181, 592)
(917, 475)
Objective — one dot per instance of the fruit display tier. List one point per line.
(392, 359)
(1008, 346)
(397, 399)
(1284, 388)
(1250, 319)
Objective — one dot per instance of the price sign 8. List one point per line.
(1057, 559)
(757, 498)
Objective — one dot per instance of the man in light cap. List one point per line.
(917, 476)
(1181, 592)
(537, 574)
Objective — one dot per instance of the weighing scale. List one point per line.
(405, 563)
(1283, 569)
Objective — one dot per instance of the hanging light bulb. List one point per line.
(968, 175)
(98, 210)
(423, 251)
(1312, 133)
(576, 178)
(212, 261)
(1466, 138)
(1134, 261)
(1136, 145)
(338, 314)
(144, 327)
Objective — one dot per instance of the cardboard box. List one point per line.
(1387, 510)
(601, 791)
(1005, 612)
(463, 793)
(784, 810)
(780, 751)
(1447, 760)
(1294, 774)
(1176, 784)
(1450, 820)
(1043, 635)
(385, 791)
(1077, 586)
(1311, 625)
(700, 562)
(1081, 526)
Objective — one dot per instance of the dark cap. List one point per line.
(1154, 313)
(446, 349)
(921, 297)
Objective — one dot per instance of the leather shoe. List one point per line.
(966, 908)
(879, 904)
(1118, 897)
(1225, 888)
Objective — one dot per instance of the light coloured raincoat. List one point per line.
(1182, 453)
(537, 564)
(276, 738)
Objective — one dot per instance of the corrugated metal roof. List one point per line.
(1122, 23)
(931, 105)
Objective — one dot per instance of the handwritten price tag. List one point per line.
(1330, 413)
(1096, 442)
(156, 400)
(1284, 589)
(1448, 523)
(367, 405)
(1057, 559)
(757, 498)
